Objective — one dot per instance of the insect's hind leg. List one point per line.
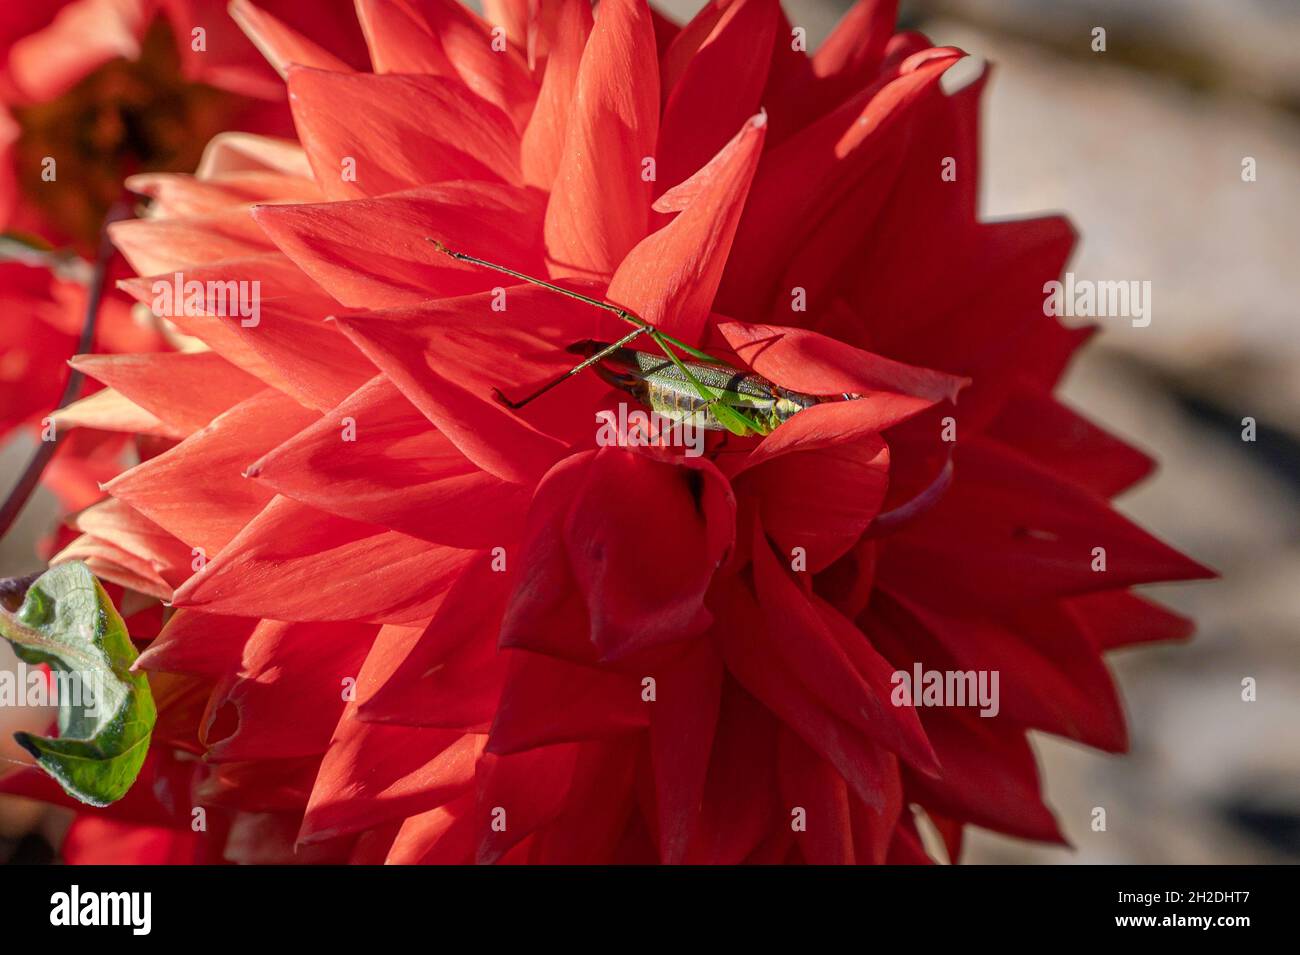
(582, 365)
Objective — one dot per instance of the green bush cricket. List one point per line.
(707, 392)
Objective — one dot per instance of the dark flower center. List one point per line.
(125, 117)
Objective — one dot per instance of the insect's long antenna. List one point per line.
(622, 313)
(585, 363)
(630, 317)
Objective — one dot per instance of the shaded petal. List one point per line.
(546, 701)
(834, 154)
(287, 695)
(1009, 533)
(812, 784)
(990, 777)
(525, 791)
(634, 604)
(1067, 444)
(683, 719)
(450, 674)
(372, 774)
(732, 54)
(198, 643)
(819, 486)
(280, 43)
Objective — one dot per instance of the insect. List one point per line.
(704, 392)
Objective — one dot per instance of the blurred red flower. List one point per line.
(92, 91)
(418, 626)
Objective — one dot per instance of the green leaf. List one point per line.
(106, 712)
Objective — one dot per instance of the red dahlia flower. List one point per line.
(416, 625)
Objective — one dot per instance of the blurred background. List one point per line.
(1142, 146)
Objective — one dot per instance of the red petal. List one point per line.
(671, 276)
(194, 490)
(373, 774)
(990, 777)
(212, 384)
(302, 564)
(445, 357)
(1120, 619)
(451, 674)
(521, 793)
(114, 521)
(280, 43)
(198, 643)
(547, 701)
(498, 76)
(682, 724)
(396, 471)
(811, 784)
(835, 661)
(634, 604)
(543, 140)
(833, 155)
(399, 131)
(1067, 444)
(157, 246)
(600, 203)
(801, 360)
(732, 53)
(286, 343)
(819, 481)
(376, 253)
(1008, 533)
(443, 836)
(289, 691)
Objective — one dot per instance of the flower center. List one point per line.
(125, 117)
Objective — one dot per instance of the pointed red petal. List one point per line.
(212, 384)
(376, 459)
(377, 253)
(194, 490)
(734, 54)
(671, 276)
(600, 202)
(366, 135)
(543, 140)
(373, 774)
(275, 566)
